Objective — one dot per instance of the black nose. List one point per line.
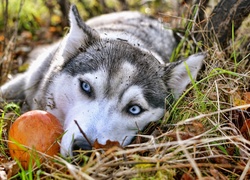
(80, 144)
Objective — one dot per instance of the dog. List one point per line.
(111, 74)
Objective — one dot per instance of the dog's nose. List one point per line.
(80, 144)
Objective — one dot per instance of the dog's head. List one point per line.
(111, 88)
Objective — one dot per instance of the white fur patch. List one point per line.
(180, 74)
(123, 77)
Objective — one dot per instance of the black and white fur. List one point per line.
(110, 74)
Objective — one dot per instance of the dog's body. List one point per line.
(112, 80)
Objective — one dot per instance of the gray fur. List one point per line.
(123, 61)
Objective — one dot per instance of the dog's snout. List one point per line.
(80, 144)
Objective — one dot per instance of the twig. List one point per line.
(245, 171)
(212, 113)
(83, 133)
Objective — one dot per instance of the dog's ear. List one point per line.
(179, 74)
(79, 36)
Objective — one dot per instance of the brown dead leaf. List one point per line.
(187, 176)
(245, 129)
(246, 97)
(182, 135)
(2, 37)
(241, 116)
(190, 130)
(109, 144)
(195, 128)
(241, 98)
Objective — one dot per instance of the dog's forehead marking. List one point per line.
(112, 84)
(124, 75)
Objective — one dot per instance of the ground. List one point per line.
(205, 135)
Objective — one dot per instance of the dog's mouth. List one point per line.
(79, 145)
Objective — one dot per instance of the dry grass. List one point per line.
(200, 138)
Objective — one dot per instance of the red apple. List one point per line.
(32, 135)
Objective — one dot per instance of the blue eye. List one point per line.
(86, 87)
(134, 110)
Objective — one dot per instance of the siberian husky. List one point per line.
(111, 74)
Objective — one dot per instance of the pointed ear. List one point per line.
(79, 35)
(182, 73)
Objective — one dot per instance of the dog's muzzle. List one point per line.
(80, 144)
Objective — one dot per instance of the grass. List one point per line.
(199, 138)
